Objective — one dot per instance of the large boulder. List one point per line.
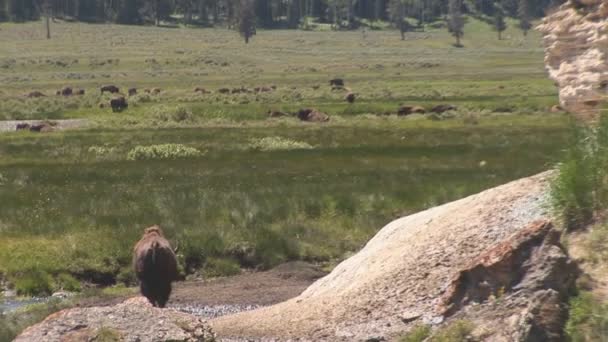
(132, 320)
(491, 258)
(576, 41)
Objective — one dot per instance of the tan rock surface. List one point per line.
(132, 320)
(401, 276)
(576, 44)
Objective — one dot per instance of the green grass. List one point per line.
(580, 189)
(487, 75)
(588, 319)
(70, 210)
(74, 203)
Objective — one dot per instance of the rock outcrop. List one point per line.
(132, 320)
(493, 258)
(576, 44)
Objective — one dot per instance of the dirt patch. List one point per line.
(246, 290)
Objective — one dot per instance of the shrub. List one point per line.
(581, 186)
(164, 151)
(220, 267)
(455, 331)
(278, 143)
(34, 283)
(67, 282)
(588, 319)
(418, 333)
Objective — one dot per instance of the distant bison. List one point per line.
(223, 90)
(66, 91)
(350, 98)
(80, 92)
(201, 90)
(43, 127)
(132, 91)
(312, 115)
(35, 94)
(156, 91)
(443, 108)
(407, 110)
(119, 104)
(23, 126)
(336, 82)
(110, 89)
(155, 266)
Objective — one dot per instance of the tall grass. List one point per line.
(581, 186)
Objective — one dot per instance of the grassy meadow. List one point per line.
(236, 189)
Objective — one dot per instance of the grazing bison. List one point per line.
(67, 91)
(110, 89)
(119, 104)
(443, 108)
(336, 82)
(350, 98)
(276, 114)
(80, 92)
(43, 127)
(156, 91)
(223, 90)
(23, 126)
(201, 90)
(132, 91)
(35, 94)
(312, 115)
(155, 266)
(407, 110)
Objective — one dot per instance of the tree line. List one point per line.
(342, 14)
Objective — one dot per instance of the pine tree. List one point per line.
(499, 21)
(523, 12)
(455, 20)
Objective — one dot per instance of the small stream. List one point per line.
(11, 304)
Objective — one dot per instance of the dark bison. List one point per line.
(155, 266)
(67, 91)
(350, 98)
(443, 108)
(312, 115)
(110, 89)
(201, 90)
(43, 127)
(336, 82)
(407, 110)
(23, 126)
(35, 94)
(132, 91)
(119, 104)
(80, 92)
(223, 90)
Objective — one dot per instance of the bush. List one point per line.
(278, 143)
(164, 151)
(456, 331)
(588, 319)
(418, 333)
(216, 267)
(581, 186)
(67, 282)
(34, 283)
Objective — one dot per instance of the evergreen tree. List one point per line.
(455, 20)
(499, 21)
(523, 12)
